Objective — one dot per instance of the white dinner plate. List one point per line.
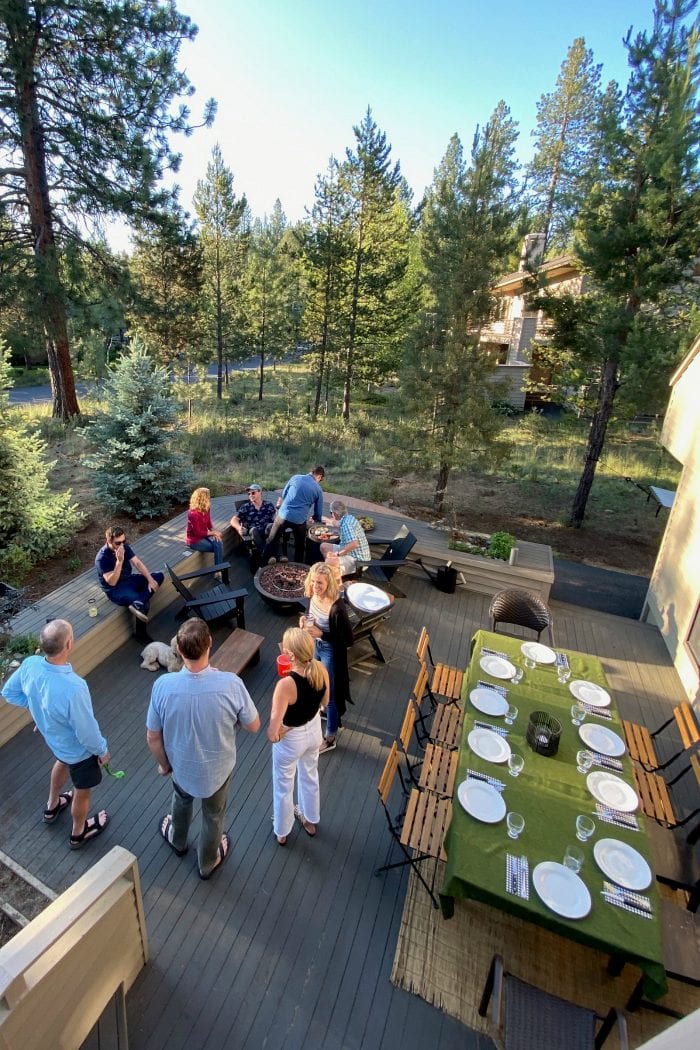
(488, 701)
(622, 864)
(601, 739)
(590, 693)
(482, 801)
(366, 597)
(496, 666)
(542, 654)
(611, 791)
(561, 890)
(492, 747)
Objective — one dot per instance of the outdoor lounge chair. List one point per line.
(218, 603)
(382, 570)
(522, 609)
(527, 1018)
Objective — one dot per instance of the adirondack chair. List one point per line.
(218, 603)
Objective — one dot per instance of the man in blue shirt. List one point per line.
(191, 733)
(59, 702)
(352, 545)
(302, 497)
(123, 577)
(255, 519)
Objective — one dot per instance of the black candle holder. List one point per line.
(543, 733)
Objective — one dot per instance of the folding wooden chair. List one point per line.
(640, 742)
(447, 680)
(419, 831)
(674, 860)
(655, 796)
(436, 771)
(445, 727)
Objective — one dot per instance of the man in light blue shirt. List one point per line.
(302, 497)
(59, 702)
(191, 733)
(352, 545)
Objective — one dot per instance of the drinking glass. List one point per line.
(584, 827)
(584, 761)
(563, 674)
(515, 764)
(573, 858)
(515, 823)
(510, 715)
(578, 713)
(92, 606)
(530, 663)
(518, 675)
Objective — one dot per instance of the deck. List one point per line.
(287, 946)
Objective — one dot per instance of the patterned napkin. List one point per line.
(614, 816)
(473, 775)
(626, 899)
(493, 652)
(494, 729)
(599, 712)
(518, 876)
(606, 762)
(562, 661)
(496, 688)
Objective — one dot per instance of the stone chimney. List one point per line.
(533, 250)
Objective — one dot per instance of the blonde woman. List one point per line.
(295, 735)
(333, 637)
(200, 534)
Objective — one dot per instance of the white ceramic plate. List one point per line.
(496, 666)
(482, 801)
(367, 598)
(590, 693)
(601, 739)
(561, 890)
(492, 747)
(622, 864)
(538, 652)
(488, 701)
(611, 791)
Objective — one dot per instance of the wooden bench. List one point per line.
(238, 651)
(640, 741)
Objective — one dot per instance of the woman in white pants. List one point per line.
(295, 734)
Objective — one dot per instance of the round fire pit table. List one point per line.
(282, 585)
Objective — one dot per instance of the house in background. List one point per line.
(509, 338)
(673, 598)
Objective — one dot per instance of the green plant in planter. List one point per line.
(500, 545)
(15, 647)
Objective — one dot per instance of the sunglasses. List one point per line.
(252, 492)
(118, 543)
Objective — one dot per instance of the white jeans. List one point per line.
(297, 748)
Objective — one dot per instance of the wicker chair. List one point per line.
(533, 1019)
(522, 609)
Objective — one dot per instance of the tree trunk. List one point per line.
(51, 299)
(596, 439)
(350, 360)
(441, 486)
(219, 328)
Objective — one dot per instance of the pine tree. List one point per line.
(265, 287)
(224, 232)
(136, 467)
(87, 91)
(559, 174)
(637, 232)
(466, 233)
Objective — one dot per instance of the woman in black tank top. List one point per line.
(295, 735)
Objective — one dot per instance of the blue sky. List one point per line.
(292, 77)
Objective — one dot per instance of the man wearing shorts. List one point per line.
(123, 577)
(59, 702)
(352, 545)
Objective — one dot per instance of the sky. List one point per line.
(292, 77)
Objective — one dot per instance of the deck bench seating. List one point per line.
(238, 651)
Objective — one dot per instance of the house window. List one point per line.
(693, 640)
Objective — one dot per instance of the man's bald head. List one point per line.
(55, 636)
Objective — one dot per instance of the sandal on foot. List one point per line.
(93, 827)
(64, 801)
(166, 830)
(224, 847)
(309, 828)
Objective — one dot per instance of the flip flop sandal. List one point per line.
(224, 849)
(92, 829)
(309, 828)
(64, 801)
(166, 828)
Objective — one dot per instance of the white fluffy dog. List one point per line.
(158, 654)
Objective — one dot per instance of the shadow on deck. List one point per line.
(286, 946)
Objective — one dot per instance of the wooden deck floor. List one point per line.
(286, 946)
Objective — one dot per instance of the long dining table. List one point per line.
(549, 793)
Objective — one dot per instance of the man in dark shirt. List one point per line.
(254, 519)
(123, 577)
(302, 497)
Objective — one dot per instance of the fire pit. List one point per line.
(282, 585)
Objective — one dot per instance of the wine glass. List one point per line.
(584, 827)
(515, 764)
(515, 823)
(578, 713)
(584, 761)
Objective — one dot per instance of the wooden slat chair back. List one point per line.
(420, 687)
(640, 740)
(656, 800)
(218, 603)
(444, 729)
(447, 679)
(437, 769)
(420, 830)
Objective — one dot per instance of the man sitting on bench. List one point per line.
(123, 577)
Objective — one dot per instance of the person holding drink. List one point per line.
(326, 620)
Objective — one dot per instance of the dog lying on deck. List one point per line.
(158, 654)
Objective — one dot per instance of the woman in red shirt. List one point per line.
(200, 534)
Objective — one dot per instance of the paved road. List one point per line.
(604, 590)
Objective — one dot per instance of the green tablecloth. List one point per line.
(549, 793)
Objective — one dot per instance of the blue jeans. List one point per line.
(215, 547)
(324, 653)
(213, 812)
(133, 589)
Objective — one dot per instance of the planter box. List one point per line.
(533, 571)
